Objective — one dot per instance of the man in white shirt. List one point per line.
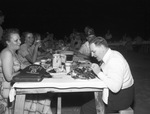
(115, 73)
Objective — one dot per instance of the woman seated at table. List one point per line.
(28, 52)
(9, 67)
(43, 50)
(76, 41)
(48, 40)
(85, 49)
(9, 64)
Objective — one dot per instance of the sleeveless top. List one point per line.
(5, 85)
(23, 52)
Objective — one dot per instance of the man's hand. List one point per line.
(96, 69)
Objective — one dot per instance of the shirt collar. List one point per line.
(106, 56)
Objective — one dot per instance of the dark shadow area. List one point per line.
(73, 99)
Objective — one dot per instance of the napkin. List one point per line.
(12, 94)
(105, 95)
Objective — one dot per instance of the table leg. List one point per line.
(100, 107)
(19, 104)
(59, 104)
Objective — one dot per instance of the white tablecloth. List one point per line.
(60, 82)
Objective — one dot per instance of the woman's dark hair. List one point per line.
(24, 35)
(98, 41)
(7, 34)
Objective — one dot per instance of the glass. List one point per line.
(63, 58)
(56, 61)
(68, 67)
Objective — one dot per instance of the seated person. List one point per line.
(29, 50)
(108, 36)
(9, 67)
(9, 63)
(43, 50)
(115, 73)
(84, 49)
(76, 41)
(60, 45)
(48, 41)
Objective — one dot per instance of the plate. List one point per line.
(82, 61)
(37, 63)
(60, 73)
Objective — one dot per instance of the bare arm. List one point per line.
(32, 58)
(7, 65)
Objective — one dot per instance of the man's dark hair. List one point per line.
(98, 41)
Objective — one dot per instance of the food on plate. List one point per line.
(82, 73)
(85, 64)
(55, 70)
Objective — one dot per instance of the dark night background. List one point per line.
(61, 16)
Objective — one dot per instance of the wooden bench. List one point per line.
(126, 111)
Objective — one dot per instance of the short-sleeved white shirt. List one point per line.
(116, 72)
(85, 49)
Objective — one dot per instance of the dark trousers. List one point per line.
(116, 101)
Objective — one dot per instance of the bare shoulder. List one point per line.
(5, 53)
